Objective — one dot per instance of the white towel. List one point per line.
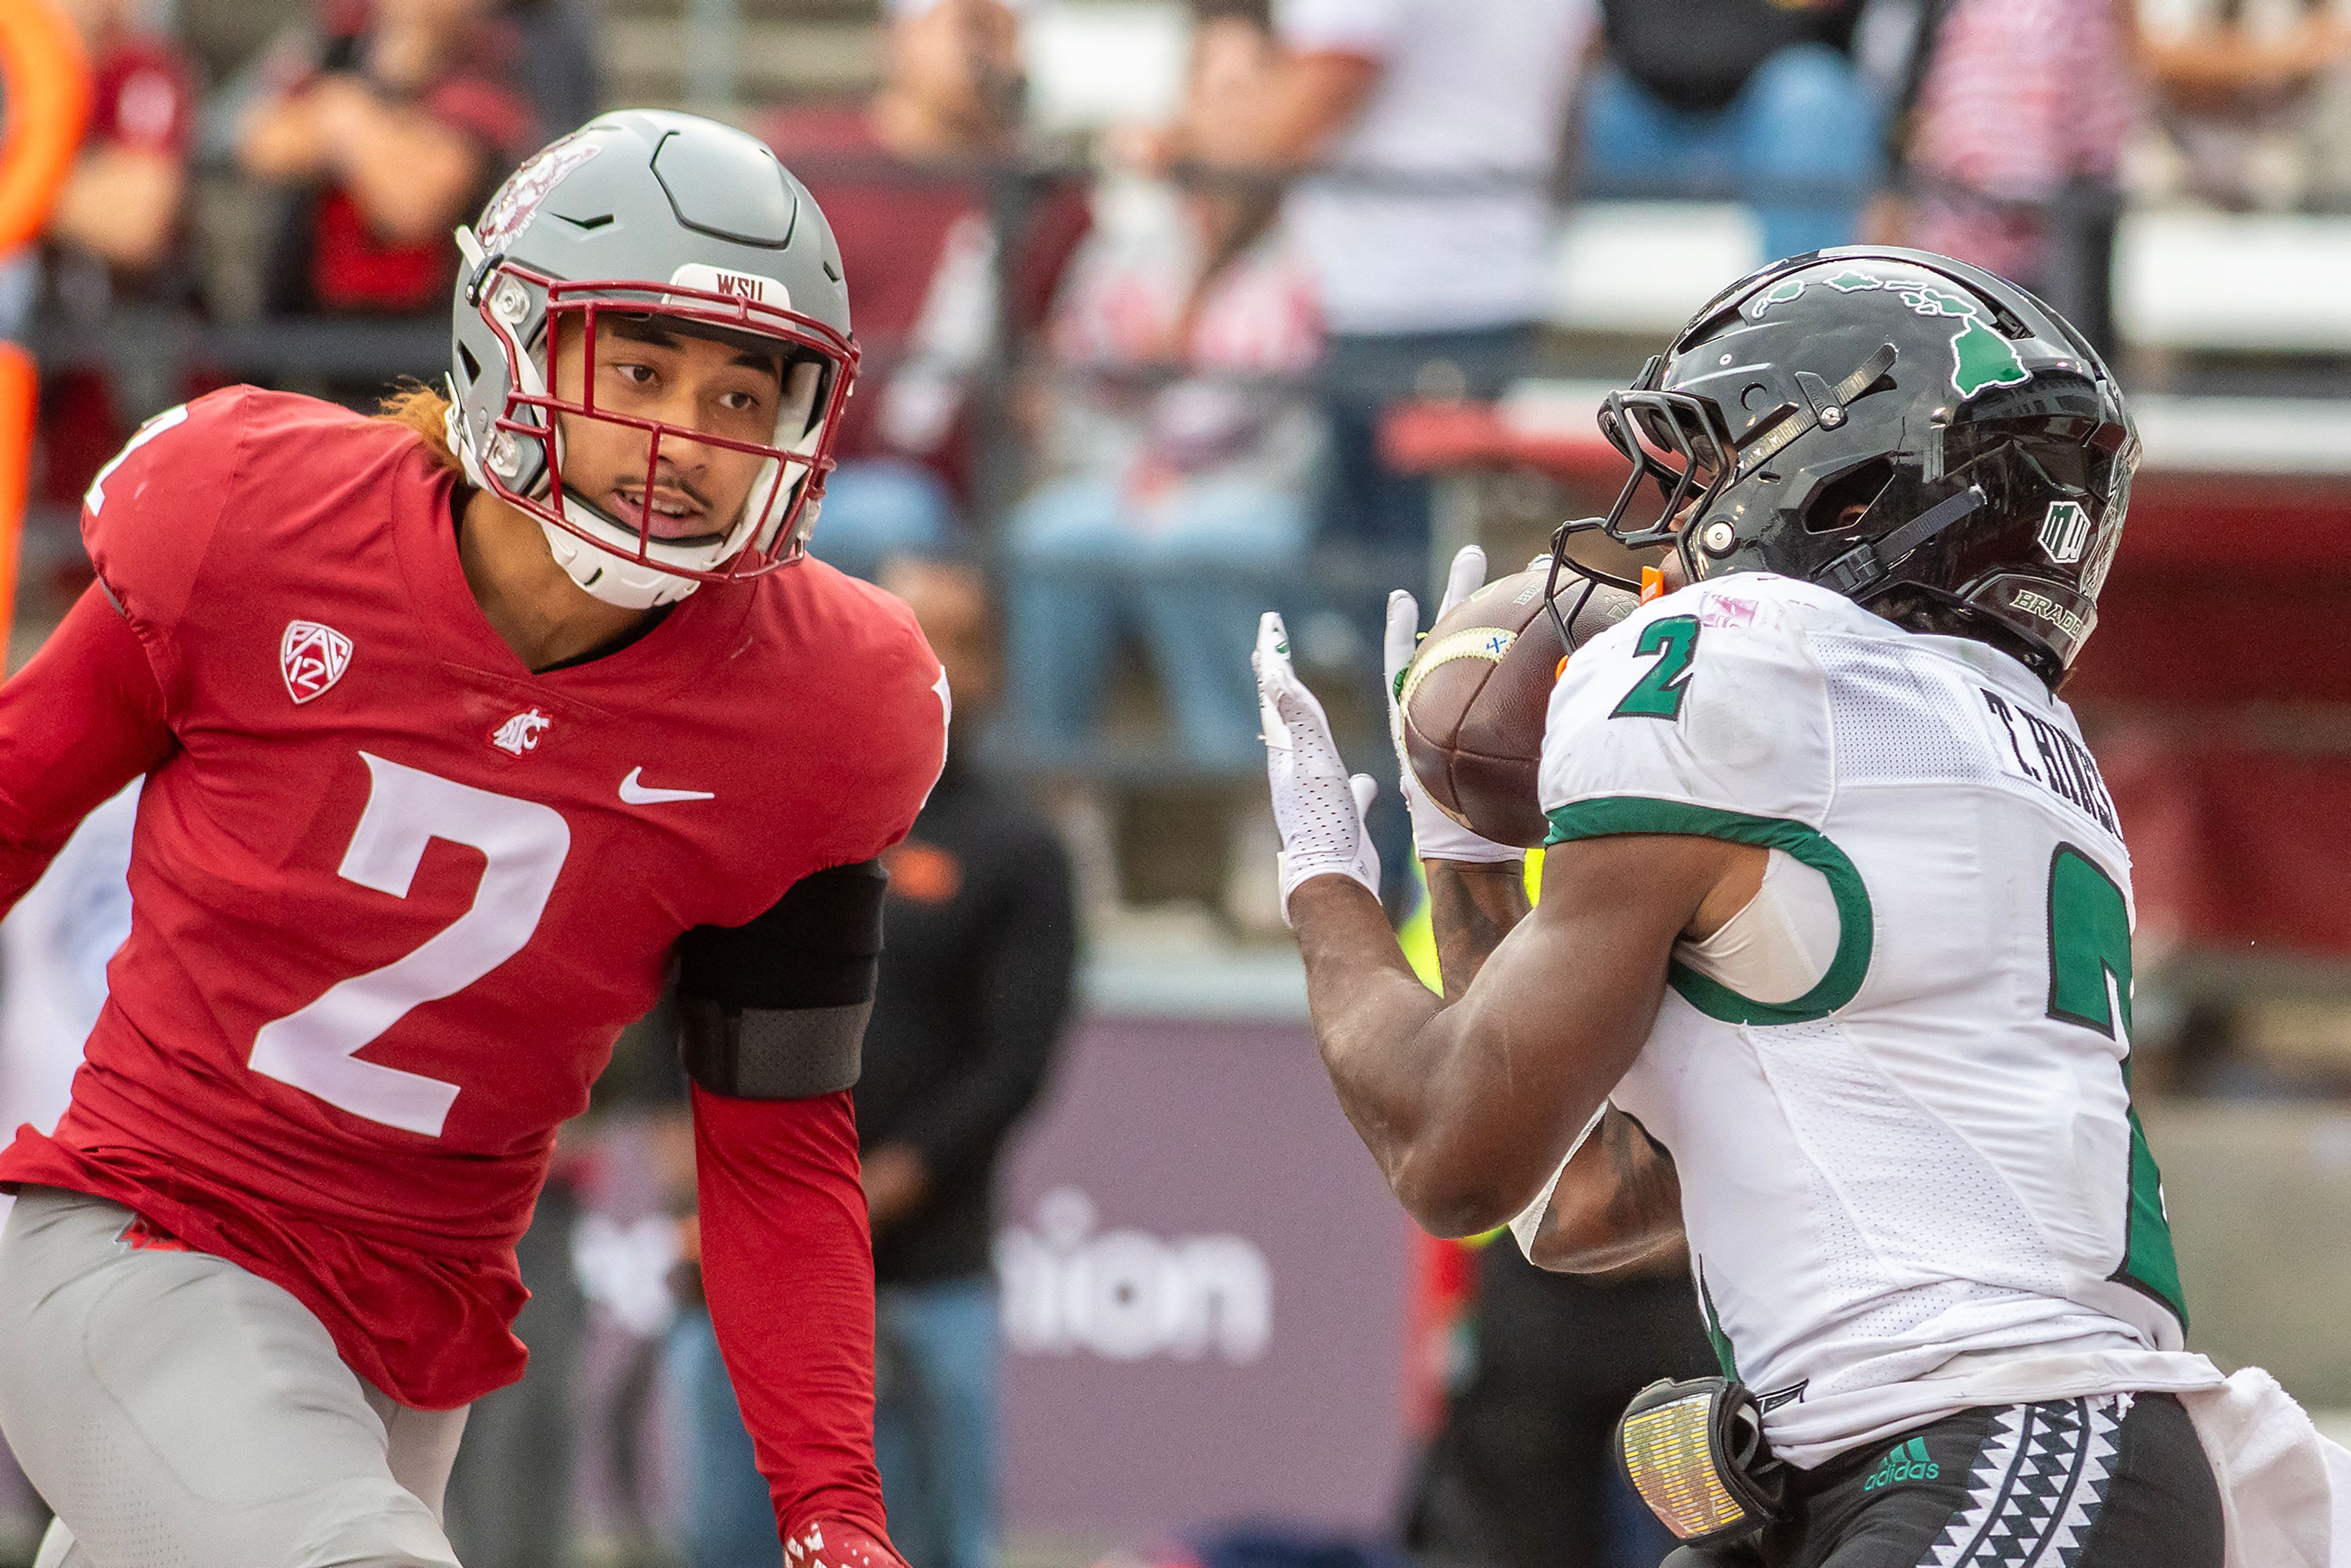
(2284, 1489)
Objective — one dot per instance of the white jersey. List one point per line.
(1896, 1085)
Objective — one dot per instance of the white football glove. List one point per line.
(1317, 807)
(1437, 836)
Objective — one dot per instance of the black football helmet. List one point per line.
(1887, 424)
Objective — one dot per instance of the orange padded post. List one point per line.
(47, 86)
(45, 81)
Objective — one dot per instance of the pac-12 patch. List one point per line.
(312, 658)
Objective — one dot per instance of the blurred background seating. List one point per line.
(1174, 312)
(1762, 100)
(1176, 443)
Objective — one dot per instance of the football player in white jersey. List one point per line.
(1832, 969)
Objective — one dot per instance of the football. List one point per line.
(1476, 691)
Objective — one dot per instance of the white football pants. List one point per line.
(178, 1412)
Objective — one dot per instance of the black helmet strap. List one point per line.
(1827, 410)
(1873, 369)
(1865, 566)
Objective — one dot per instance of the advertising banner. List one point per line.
(1204, 1291)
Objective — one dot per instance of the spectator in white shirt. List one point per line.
(1435, 127)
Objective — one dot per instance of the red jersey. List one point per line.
(394, 894)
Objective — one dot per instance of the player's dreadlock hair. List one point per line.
(424, 410)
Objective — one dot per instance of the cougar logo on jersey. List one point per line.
(312, 658)
(520, 732)
(2065, 531)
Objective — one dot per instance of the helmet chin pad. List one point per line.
(609, 574)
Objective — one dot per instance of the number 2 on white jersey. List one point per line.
(524, 842)
(2090, 986)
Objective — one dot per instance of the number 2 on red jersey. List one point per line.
(523, 843)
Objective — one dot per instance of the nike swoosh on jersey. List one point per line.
(637, 794)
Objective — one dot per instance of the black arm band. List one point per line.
(775, 1010)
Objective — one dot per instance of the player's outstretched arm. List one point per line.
(82, 720)
(1470, 1107)
(789, 1274)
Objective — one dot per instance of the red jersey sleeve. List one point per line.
(150, 517)
(787, 1260)
(787, 1265)
(902, 737)
(77, 724)
(95, 707)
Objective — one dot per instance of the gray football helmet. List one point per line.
(646, 212)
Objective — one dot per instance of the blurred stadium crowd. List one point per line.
(1144, 289)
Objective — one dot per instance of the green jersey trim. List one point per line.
(1725, 1356)
(1856, 926)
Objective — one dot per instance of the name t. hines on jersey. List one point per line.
(2058, 763)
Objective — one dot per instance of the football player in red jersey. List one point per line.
(461, 729)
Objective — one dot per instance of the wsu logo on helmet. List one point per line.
(312, 658)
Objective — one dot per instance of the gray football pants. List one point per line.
(177, 1412)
